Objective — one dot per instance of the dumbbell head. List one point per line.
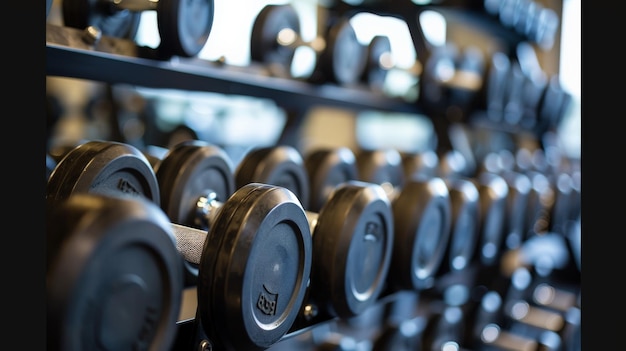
(268, 24)
(493, 191)
(519, 187)
(464, 201)
(254, 268)
(379, 62)
(103, 167)
(344, 58)
(184, 26)
(422, 219)
(113, 275)
(352, 247)
(277, 165)
(189, 171)
(326, 169)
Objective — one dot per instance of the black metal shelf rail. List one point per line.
(111, 59)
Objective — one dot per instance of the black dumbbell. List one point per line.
(184, 26)
(276, 37)
(354, 223)
(261, 241)
(418, 244)
(519, 186)
(113, 274)
(362, 212)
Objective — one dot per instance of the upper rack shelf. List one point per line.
(111, 59)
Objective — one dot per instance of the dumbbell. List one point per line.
(184, 26)
(464, 200)
(517, 203)
(538, 311)
(259, 241)
(354, 226)
(449, 77)
(113, 274)
(276, 37)
(418, 244)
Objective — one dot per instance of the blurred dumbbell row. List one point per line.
(301, 240)
(509, 87)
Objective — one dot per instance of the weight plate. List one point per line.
(113, 275)
(352, 247)
(104, 15)
(184, 26)
(264, 46)
(464, 228)
(276, 165)
(103, 167)
(326, 169)
(254, 268)
(381, 167)
(378, 62)
(422, 218)
(190, 170)
(492, 192)
(345, 56)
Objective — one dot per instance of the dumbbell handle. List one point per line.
(135, 5)
(189, 242)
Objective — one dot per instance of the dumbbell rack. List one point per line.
(69, 55)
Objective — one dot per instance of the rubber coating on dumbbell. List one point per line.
(352, 248)
(113, 275)
(264, 46)
(375, 73)
(184, 26)
(277, 165)
(422, 220)
(187, 172)
(464, 230)
(254, 268)
(103, 167)
(326, 169)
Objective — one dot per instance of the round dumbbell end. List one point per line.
(276, 165)
(184, 26)
(114, 280)
(327, 168)
(422, 217)
(354, 230)
(255, 267)
(103, 167)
